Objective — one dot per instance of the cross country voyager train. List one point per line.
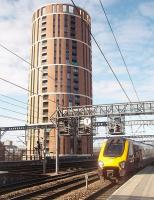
(119, 156)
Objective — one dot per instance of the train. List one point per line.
(120, 156)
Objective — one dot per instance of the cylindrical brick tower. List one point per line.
(60, 74)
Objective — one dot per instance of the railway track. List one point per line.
(99, 190)
(58, 188)
(38, 186)
(50, 167)
(66, 186)
(104, 190)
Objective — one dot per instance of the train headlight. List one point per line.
(100, 164)
(122, 164)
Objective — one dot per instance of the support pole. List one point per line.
(57, 150)
(0, 135)
(26, 141)
(44, 160)
(75, 135)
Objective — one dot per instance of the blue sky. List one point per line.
(133, 25)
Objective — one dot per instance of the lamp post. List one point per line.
(57, 149)
(0, 135)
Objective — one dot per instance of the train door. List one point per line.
(137, 156)
(130, 159)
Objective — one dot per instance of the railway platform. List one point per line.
(139, 187)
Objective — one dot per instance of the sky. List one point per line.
(133, 25)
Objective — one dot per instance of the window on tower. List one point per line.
(44, 43)
(43, 30)
(54, 22)
(64, 8)
(44, 90)
(71, 9)
(44, 18)
(60, 51)
(58, 25)
(77, 100)
(74, 52)
(72, 27)
(54, 8)
(43, 36)
(44, 24)
(67, 51)
(43, 11)
(45, 119)
(55, 47)
(45, 97)
(44, 48)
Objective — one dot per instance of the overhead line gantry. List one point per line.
(105, 110)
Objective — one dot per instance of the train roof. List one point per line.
(121, 139)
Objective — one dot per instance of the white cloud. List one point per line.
(15, 22)
(147, 9)
(133, 31)
(110, 91)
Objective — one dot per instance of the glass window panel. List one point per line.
(64, 8)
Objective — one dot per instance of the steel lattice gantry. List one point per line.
(51, 125)
(128, 123)
(105, 110)
(26, 127)
(126, 136)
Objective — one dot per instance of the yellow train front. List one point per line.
(119, 156)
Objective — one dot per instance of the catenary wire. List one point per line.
(14, 84)
(119, 49)
(13, 99)
(16, 101)
(104, 58)
(121, 54)
(28, 64)
(17, 55)
(21, 87)
(10, 51)
(100, 49)
(12, 111)
(108, 61)
(33, 115)
(7, 49)
(14, 118)
(13, 104)
(97, 46)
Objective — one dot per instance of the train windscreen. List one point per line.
(114, 148)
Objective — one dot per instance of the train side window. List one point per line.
(131, 151)
(136, 150)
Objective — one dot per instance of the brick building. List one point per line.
(60, 74)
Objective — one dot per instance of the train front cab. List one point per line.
(119, 156)
(112, 158)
